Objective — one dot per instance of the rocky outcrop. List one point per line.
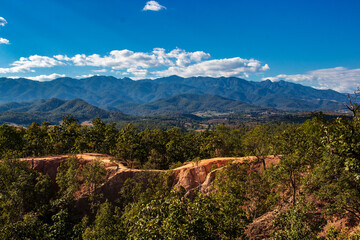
(202, 174)
(190, 175)
(49, 164)
(46, 165)
(193, 175)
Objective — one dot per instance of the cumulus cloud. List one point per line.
(4, 41)
(153, 6)
(3, 22)
(86, 76)
(125, 59)
(140, 65)
(100, 70)
(228, 67)
(62, 57)
(42, 78)
(138, 73)
(117, 59)
(184, 58)
(27, 64)
(36, 61)
(339, 79)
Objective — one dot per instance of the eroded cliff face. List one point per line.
(193, 175)
(197, 174)
(46, 165)
(49, 164)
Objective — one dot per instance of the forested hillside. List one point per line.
(52, 110)
(192, 104)
(313, 192)
(186, 111)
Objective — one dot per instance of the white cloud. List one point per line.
(100, 71)
(62, 57)
(184, 58)
(339, 79)
(4, 41)
(117, 59)
(35, 61)
(153, 6)
(86, 76)
(3, 22)
(138, 73)
(42, 78)
(125, 59)
(138, 65)
(228, 67)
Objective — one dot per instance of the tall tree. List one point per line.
(257, 142)
(68, 176)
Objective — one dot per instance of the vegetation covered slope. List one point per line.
(52, 110)
(186, 111)
(192, 104)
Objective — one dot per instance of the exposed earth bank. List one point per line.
(191, 175)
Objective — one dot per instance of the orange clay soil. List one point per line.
(189, 176)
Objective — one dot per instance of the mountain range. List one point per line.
(124, 94)
(194, 104)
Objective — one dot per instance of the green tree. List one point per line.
(11, 139)
(145, 186)
(298, 222)
(179, 218)
(63, 137)
(257, 142)
(107, 224)
(30, 227)
(67, 177)
(93, 175)
(36, 139)
(62, 226)
(246, 188)
(109, 142)
(128, 145)
(152, 152)
(335, 179)
(289, 173)
(22, 190)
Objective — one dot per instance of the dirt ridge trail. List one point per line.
(49, 164)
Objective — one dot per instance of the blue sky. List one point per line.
(314, 43)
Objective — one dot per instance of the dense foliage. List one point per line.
(317, 179)
(151, 148)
